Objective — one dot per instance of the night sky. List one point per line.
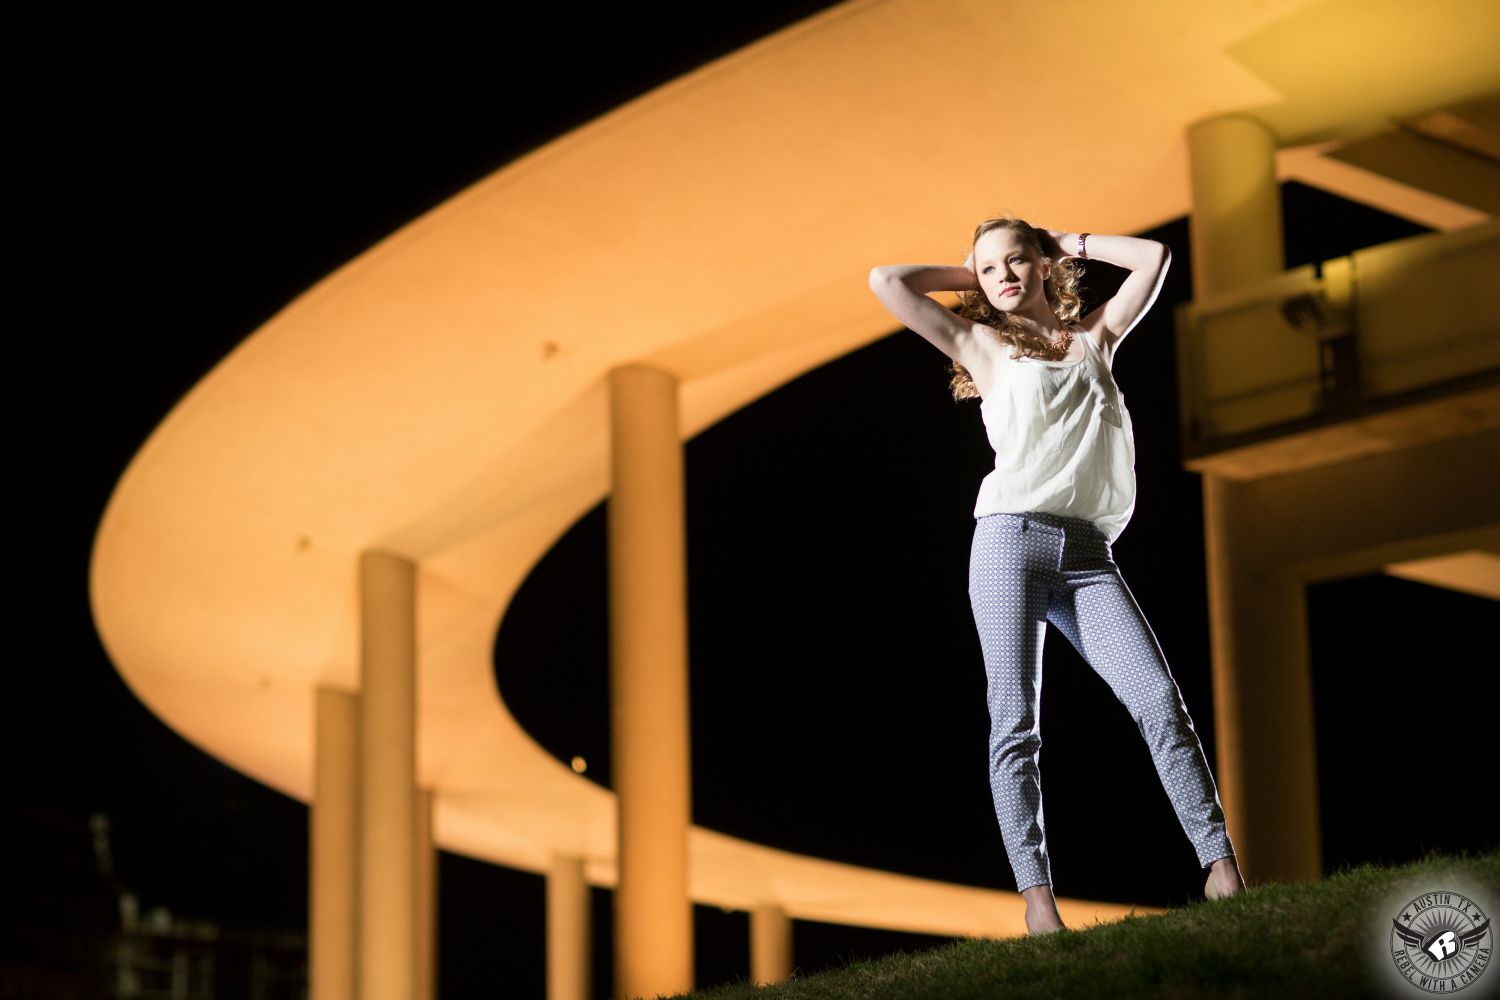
(185, 174)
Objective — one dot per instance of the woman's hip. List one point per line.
(1037, 545)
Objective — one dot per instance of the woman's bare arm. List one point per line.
(1147, 261)
(932, 277)
(1129, 252)
(903, 288)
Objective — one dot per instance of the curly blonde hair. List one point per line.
(1061, 289)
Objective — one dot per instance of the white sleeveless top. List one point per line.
(1063, 440)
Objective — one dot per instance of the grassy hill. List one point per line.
(1320, 940)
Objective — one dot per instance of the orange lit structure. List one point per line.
(303, 569)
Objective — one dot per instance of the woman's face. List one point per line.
(1008, 270)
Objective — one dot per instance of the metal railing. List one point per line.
(1384, 327)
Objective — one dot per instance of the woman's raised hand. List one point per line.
(974, 278)
(1054, 245)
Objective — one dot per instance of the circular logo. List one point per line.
(1441, 942)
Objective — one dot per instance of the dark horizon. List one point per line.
(178, 192)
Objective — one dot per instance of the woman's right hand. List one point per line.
(969, 266)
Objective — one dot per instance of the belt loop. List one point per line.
(1023, 524)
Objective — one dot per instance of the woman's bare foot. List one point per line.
(1223, 879)
(1041, 910)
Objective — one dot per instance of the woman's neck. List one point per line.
(1041, 323)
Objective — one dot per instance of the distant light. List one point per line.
(579, 765)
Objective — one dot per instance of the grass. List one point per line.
(1276, 940)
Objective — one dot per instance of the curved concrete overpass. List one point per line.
(443, 396)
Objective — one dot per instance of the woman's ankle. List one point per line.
(1039, 895)
(1224, 878)
(1041, 909)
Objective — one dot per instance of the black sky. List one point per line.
(186, 173)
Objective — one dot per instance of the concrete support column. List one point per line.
(387, 750)
(569, 944)
(770, 945)
(1235, 224)
(648, 685)
(333, 846)
(1263, 709)
(1262, 691)
(427, 890)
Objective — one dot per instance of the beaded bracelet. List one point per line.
(1083, 250)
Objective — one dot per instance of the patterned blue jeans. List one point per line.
(1026, 570)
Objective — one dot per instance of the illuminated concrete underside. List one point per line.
(442, 395)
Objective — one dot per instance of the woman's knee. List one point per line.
(1161, 711)
(1007, 740)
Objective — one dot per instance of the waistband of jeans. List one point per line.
(1049, 518)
